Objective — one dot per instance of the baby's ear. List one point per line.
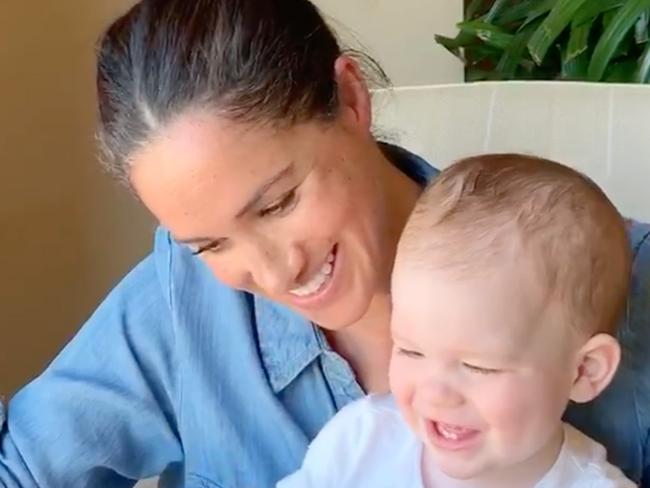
(597, 362)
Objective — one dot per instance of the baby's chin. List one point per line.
(459, 469)
(461, 473)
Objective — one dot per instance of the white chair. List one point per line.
(603, 130)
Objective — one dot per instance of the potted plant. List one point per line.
(589, 40)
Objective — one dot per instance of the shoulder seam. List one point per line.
(637, 248)
(168, 293)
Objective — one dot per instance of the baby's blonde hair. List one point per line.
(484, 209)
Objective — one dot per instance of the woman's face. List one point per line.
(294, 214)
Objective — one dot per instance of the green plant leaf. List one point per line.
(476, 74)
(528, 64)
(483, 56)
(578, 41)
(516, 13)
(614, 34)
(623, 48)
(473, 8)
(534, 72)
(623, 72)
(454, 45)
(591, 10)
(541, 8)
(554, 39)
(495, 10)
(558, 19)
(575, 69)
(511, 58)
(488, 33)
(448, 44)
(608, 17)
(643, 70)
(641, 28)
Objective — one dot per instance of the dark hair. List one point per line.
(249, 60)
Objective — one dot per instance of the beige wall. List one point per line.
(67, 233)
(400, 35)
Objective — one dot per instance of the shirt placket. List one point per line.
(339, 375)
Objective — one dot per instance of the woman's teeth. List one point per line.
(317, 281)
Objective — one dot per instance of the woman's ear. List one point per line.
(353, 95)
(597, 362)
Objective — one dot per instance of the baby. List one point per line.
(509, 280)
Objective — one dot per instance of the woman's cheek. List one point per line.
(316, 217)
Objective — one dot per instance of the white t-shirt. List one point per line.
(368, 445)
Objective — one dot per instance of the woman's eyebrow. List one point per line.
(257, 196)
(259, 193)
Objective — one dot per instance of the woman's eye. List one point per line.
(281, 205)
(211, 247)
(478, 369)
(409, 353)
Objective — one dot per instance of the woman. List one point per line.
(245, 130)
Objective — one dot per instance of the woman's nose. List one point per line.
(275, 269)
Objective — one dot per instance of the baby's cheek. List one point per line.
(508, 408)
(522, 416)
(403, 389)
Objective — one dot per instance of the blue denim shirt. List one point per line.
(177, 374)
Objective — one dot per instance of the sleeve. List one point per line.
(612, 483)
(102, 415)
(610, 477)
(333, 455)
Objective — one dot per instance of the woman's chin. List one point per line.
(337, 319)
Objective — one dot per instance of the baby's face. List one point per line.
(482, 367)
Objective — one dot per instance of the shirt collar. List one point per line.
(288, 342)
(408, 163)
